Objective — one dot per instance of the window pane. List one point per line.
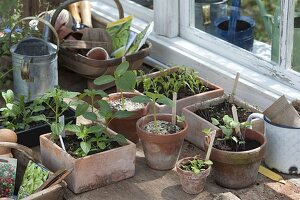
(251, 20)
(296, 45)
(146, 3)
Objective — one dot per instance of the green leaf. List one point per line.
(126, 82)
(195, 170)
(119, 138)
(8, 96)
(90, 116)
(73, 128)
(208, 162)
(206, 131)
(101, 145)
(227, 119)
(234, 124)
(214, 121)
(104, 80)
(38, 108)
(85, 146)
(38, 118)
(81, 109)
(95, 129)
(67, 94)
(141, 99)
(166, 101)
(226, 131)
(122, 68)
(120, 114)
(101, 93)
(105, 110)
(57, 128)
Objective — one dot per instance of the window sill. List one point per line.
(256, 88)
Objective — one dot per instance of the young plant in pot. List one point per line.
(125, 82)
(32, 119)
(161, 135)
(193, 171)
(88, 146)
(237, 153)
(188, 85)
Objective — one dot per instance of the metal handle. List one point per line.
(40, 20)
(255, 115)
(25, 72)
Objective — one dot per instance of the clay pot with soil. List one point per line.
(121, 101)
(199, 116)
(188, 85)
(236, 155)
(193, 179)
(161, 140)
(126, 126)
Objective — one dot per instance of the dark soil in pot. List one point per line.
(72, 143)
(220, 110)
(163, 128)
(231, 145)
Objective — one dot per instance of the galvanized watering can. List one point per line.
(207, 11)
(34, 64)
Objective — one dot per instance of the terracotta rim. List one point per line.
(247, 156)
(152, 136)
(190, 173)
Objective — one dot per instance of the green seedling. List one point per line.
(125, 80)
(196, 165)
(154, 98)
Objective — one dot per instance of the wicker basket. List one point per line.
(91, 68)
(23, 155)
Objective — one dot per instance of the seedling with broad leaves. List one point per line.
(125, 80)
(196, 165)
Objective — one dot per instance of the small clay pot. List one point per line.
(97, 53)
(161, 151)
(191, 183)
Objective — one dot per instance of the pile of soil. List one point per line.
(230, 145)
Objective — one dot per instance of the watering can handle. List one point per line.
(254, 116)
(40, 20)
(235, 13)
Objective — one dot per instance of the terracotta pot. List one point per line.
(161, 151)
(197, 123)
(238, 169)
(91, 171)
(127, 126)
(191, 183)
(215, 91)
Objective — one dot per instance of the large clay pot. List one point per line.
(161, 151)
(191, 183)
(238, 169)
(127, 126)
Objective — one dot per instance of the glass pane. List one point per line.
(296, 45)
(247, 23)
(146, 3)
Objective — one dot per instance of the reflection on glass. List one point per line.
(146, 3)
(296, 45)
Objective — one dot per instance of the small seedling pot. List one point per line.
(191, 183)
(161, 151)
(238, 169)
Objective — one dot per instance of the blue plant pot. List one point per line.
(244, 31)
